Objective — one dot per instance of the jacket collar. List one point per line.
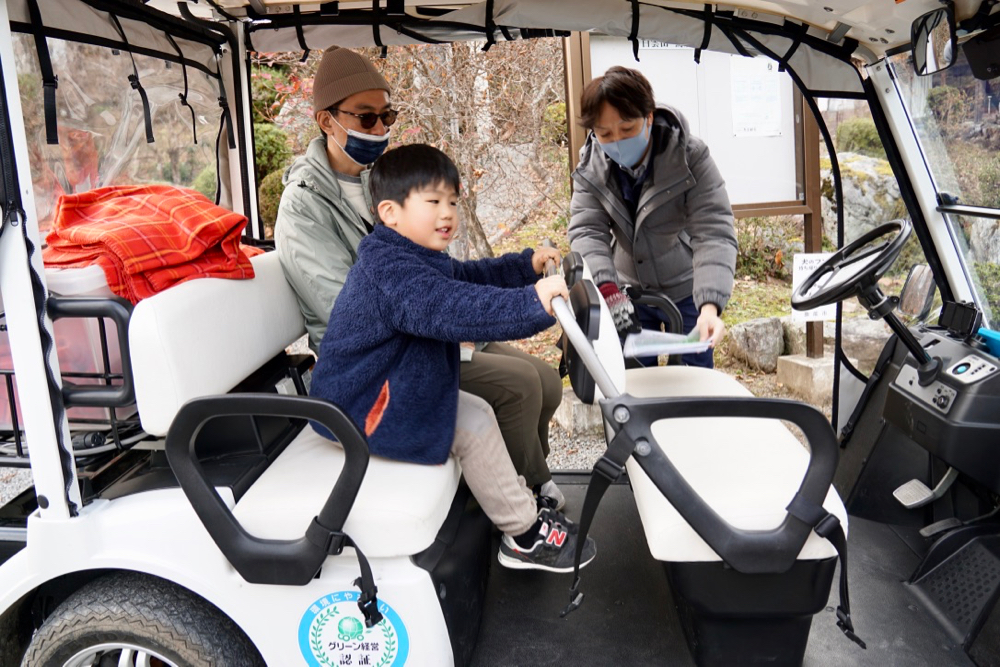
(386, 239)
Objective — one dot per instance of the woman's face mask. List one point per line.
(627, 152)
(363, 148)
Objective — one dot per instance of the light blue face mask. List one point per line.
(627, 152)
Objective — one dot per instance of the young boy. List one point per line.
(391, 354)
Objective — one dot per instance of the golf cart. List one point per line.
(209, 524)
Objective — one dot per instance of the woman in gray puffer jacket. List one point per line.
(650, 209)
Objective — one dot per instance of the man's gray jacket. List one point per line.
(681, 242)
(316, 234)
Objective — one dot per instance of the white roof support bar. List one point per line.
(25, 341)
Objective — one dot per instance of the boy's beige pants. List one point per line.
(487, 468)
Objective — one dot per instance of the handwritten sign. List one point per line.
(803, 265)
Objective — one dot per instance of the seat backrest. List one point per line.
(204, 336)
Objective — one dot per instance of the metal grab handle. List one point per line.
(576, 336)
(263, 561)
(117, 310)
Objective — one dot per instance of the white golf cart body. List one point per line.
(427, 546)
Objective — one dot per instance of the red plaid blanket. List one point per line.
(147, 237)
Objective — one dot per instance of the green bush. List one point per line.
(858, 135)
(268, 198)
(764, 247)
(988, 274)
(948, 104)
(272, 151)
(206, 182)
(554, 123)
(989, 183)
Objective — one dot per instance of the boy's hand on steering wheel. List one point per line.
(710, 325)
(548, 289)
(622, 310)
(541, 256)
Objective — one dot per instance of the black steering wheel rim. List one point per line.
(887, 254)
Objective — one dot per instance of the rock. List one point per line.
(871, 195)
(862, 339)
(577, 418)
(758, 342)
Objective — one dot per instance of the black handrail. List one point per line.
(265, 561)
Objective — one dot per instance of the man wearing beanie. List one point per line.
(326, 210)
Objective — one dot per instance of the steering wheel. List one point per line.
(854, 268)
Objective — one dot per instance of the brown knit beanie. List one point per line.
(342, 73)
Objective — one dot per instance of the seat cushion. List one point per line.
(746, 469)
(398, 512)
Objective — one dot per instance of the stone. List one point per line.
(577, 418)
(871, 195)
(811, 379)
(862, 339)
(758, 342)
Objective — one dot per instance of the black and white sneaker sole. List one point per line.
(517, 564)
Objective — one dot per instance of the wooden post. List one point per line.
(813, 220)
(576, 56)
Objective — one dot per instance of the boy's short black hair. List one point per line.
(403, 170)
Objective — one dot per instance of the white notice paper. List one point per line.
(756, 97)
(803, 264)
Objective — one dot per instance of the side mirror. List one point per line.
(917, 295)
(933, 39)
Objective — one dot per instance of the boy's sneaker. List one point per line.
(552, 549)
(549, 495)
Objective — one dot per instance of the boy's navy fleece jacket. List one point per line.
(391, 351)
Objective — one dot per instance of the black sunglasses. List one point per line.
(369, 119)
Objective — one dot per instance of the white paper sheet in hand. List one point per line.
(649, 343)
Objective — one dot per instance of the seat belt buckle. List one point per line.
(608, 469)
(52, 83)
(575, 599)
(368, 604)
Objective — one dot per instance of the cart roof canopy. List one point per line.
(817, 40)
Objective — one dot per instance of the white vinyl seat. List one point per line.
(746, 469)
(203, 337)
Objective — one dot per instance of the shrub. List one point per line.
(554, 123)
(948, 104)
(988, 274)
(765, 246)
(268, 198)
(989, 183)
(206, 182)
(272, 151)
(266, 91)
(858, 135)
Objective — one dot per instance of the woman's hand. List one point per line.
(710, 325)
(541, 256)
(548, 289)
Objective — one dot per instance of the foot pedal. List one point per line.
(941, 526)
(915, 493)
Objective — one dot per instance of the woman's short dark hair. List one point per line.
(407, 169)
(627, 90)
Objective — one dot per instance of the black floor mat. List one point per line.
(628, 617)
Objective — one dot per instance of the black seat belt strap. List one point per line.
(333, 542)
(184, 95)
(828, 526)
(133, 79)
(634, 34)
(50, 82)
(607, 470)
(883, 360)
(708, 34)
